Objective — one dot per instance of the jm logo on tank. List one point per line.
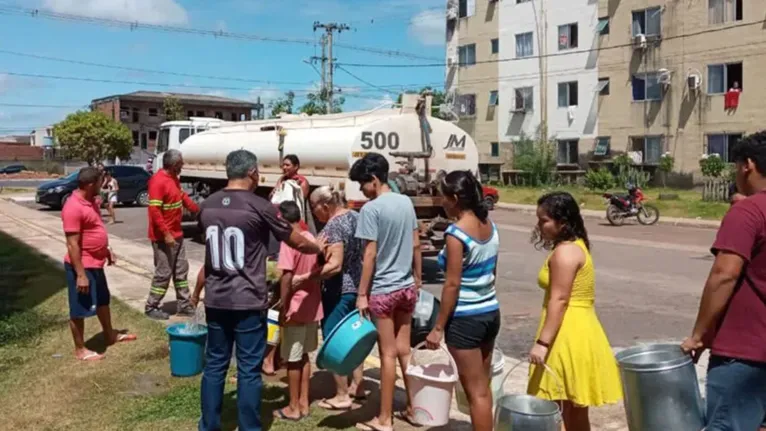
(454, 143)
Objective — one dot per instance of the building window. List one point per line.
(603, 86)
(135, 115)
(153, 135)
(648, 21)
(463, 9)
(646, 86)
(722, 144)
(567, 153)
(722, 11)
(189, 114)
(124, 114)
(495, 46)
(200, 113)
(523, 99)
(567, 36)
(524, 45)
(219, 115)
(567, 94)
(466, 105)
(233, 116)
(722, 77)
(603, 26)
(135, 138)
(493, 98)
(650, 148)
(602, 146)
(144, 143)
(495, 149)
(152, 112)
(467, 55)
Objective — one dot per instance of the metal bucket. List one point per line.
(527, 413)
(661, 393)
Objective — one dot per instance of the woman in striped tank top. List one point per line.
(469, 318)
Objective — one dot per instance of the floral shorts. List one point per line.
(400, 301)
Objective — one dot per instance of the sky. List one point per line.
(173, 37)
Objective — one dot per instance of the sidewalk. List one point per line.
(601, 215)
(129, 281)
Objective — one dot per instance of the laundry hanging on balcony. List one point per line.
(731, 99)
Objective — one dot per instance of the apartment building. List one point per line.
(607, 77)
(472, 77)
(143, 112)
(683, 78)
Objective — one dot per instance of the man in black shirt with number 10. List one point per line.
(237, 224)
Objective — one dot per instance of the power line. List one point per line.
(558, 54)
(137, 69)
(35, 13)
(363, 81)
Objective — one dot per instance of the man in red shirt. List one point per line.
(166, 203)
(732, 315)
(87, 252)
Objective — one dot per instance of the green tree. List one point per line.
(283, 105)
(666, 167)
(173, 109)
(536, 158)
(316, 104)
(91, 136)
(436, 102)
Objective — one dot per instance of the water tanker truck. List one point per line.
(419, 148)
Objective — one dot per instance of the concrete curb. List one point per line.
(601, 215)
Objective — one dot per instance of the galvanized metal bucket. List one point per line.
(527, 413)
(660, 388)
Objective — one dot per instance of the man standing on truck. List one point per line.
(166, 203)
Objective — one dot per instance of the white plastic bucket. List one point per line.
(431, 386)
(272, 328)
(496, 383)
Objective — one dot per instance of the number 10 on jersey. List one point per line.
(233, 244)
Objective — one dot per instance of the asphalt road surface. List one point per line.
(649, 278)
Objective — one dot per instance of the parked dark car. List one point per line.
(133, 182)
(13, 169)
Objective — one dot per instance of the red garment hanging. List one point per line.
(731, 99)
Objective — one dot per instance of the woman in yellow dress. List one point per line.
(570, 339)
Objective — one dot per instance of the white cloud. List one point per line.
(266, 94)
(429, 27)
(145, 11)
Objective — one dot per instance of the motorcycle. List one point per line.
(621, 207)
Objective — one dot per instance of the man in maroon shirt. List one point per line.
(732, 315)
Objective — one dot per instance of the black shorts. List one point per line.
(472, 332)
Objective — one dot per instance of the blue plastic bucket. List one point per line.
(348, 345)
(187, 351)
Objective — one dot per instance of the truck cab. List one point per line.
(174, 133)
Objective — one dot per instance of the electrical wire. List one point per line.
(365, 82)
(559, 54)
(41, 13)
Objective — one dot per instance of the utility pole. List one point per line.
(327, 58)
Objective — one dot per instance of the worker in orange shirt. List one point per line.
(166, 203)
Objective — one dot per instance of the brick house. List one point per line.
(142, 112)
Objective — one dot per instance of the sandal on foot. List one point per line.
(404, 416)
(91, 356)
(327, 405)
(369, 426)
(280, 414)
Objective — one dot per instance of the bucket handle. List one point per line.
(560, 403)
(444, 349)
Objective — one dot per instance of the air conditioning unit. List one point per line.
(694, 81)
(639, 41)
(665, 77)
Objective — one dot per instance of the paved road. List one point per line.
(649, 278)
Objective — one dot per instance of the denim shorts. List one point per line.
(83, 305)
(736, 394)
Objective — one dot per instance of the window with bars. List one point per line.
(568, 153)
(524, 45)
(722, 144)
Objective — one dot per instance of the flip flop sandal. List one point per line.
(327, 405)
(124, 338)
(367, 426)
(403, 416)
(280, 414)
(91, 357)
